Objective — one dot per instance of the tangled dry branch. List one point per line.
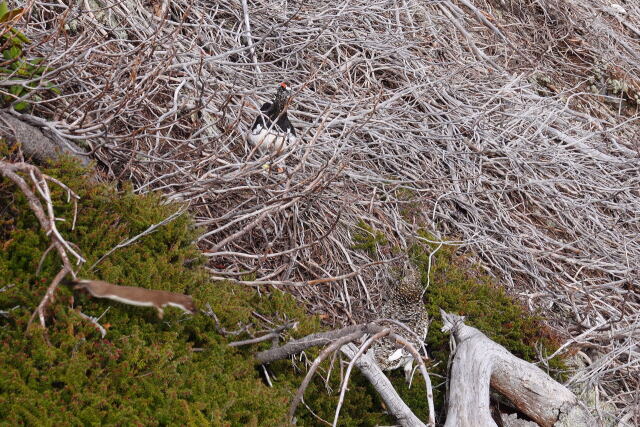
(36, 197)
(345, 339)
(509, 126)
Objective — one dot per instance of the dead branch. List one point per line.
(48, 297)
(404, 124)
(46, 220)
(364, 347)
(94, 321)
(296, 346)
(479, 363)
(339, 339)
(370, 369)
(273, 335)
(326, 352)
(222, 331)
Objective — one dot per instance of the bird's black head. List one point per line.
(281, 100)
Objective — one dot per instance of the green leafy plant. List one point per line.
(14, 65)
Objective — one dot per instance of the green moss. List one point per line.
(145, 371)
(456, 286)
(367, 238)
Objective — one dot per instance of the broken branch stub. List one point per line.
(480, 363)
(343, 339)
(395, 405)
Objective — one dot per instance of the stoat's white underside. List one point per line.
(130, 301)
(145, 303)
(270, 140)
(177, 305)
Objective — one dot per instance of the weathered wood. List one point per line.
(34, 143)
(296, 346)
(395, 405)
(479, 363)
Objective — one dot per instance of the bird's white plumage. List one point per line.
(270, 140)
(272, 132)
(396, 355)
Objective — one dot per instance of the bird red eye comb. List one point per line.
(283, 85)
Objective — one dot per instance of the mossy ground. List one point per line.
(367, 238)
(145, 371)
(455, 285)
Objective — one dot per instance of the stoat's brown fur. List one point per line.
(138, 296)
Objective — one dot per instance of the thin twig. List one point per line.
(146, 232)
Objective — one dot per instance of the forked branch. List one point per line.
(343, 339)
(46, 218)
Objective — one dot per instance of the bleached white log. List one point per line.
(480, 363)
(395, 405)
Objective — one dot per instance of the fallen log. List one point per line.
(480, 364)
(34, 141)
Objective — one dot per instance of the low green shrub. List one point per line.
(27, 72)
(145, 371)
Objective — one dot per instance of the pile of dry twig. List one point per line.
(507, 126)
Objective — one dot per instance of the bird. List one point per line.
(272, 132)
(403, 304)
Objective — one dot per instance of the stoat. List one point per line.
(138, 296)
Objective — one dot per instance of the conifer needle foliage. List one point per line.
(179, 371)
